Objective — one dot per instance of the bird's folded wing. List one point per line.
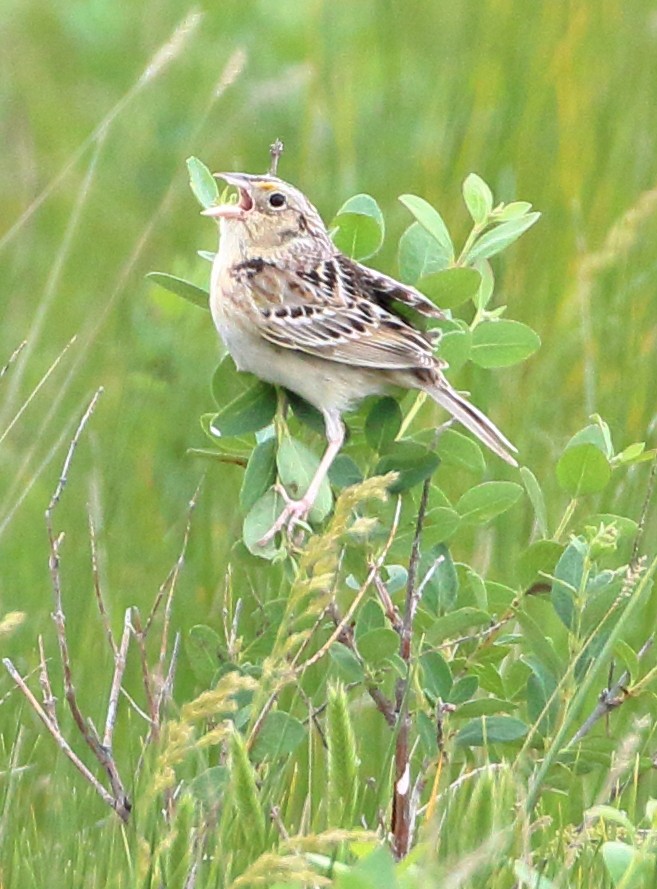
(315, 313)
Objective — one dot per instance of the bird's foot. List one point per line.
(294, 513)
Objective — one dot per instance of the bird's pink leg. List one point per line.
(296, 511)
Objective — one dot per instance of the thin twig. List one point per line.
(147, 681)
(383, 704)
(14, 355)
(120, 656)
(49, 700)
(275, 152)
(650, 488)
(611, 698)
(403, 810)
(61, 741)
(102, 610)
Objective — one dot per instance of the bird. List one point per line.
(296, 312)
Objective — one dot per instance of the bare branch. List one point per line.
(275, 152)
(404, 811)
(61, 741)
(104, 616)
(49, 700)
(119, 669)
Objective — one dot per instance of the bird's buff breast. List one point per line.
(328, 385)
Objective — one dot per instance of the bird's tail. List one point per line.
(473, 419)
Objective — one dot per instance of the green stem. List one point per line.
(567, 516)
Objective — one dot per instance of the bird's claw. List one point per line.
(294, 513)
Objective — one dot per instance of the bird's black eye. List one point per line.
(277, 200)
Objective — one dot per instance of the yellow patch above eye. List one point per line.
(266, 186)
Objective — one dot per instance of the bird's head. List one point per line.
(270, 218)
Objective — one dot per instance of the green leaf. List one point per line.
(197, 296)
(457, 623)
(346, 662)
(209, 787)
(487, 285)
(202, 182)
(441, 523)
(260, 473)
(512, 211)
(456, 449)
(491, 730)
(485, 707)
(441, 589)
(625, 527)
(258, 521)
(420, 254)
(597, 434)
(535, 495)
(413, 462)
(205, 651)
(436, 679)
(449, 288)
(431, 220)
(486, 501)
(464, 689)
(344, 472)
(541, 645)
(280, 735)
(568, 575)
(455, 347)
(250, 411)
(540, 556)
(371, 617)
(500, 237)
(627, 867)
(502, 343)
(297, 465)
(478, 198)
(382, 424)
(377, 645)
(583, 469)
(359, 227)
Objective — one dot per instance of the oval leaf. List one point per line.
(449, 288)
(202, 182)
(491, 730)
(583, 469)
(377, 645)
(344, 472)
(420, 254)
(383, 423)
(280, 735)
(430, 220)
(411, 461)
(502, 343)
(500, 237)
(359, 227)
(436, 676)
(297, 465)
(250, 411)
(197, 296)
(486, 501)
(205, 651)
(260, 473)
(257, 523)
(478, 198)
(535, 495)
(456, 449)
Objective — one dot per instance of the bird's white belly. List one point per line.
(328, 385)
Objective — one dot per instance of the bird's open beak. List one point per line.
(232, 211)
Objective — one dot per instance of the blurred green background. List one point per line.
(550, 102)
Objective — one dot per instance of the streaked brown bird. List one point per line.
(297, 313)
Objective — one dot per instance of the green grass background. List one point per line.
(550, 102)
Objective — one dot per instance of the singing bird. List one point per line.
(296, 312)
